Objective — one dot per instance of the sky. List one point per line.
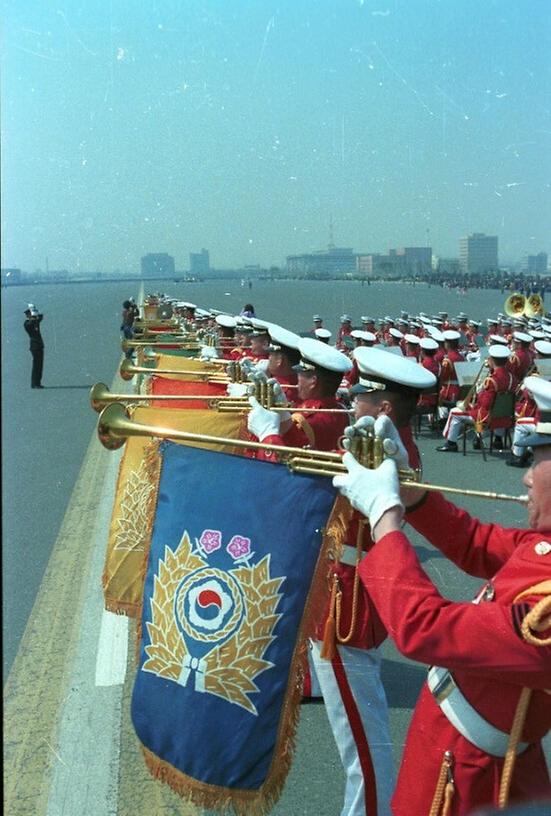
(137, 126)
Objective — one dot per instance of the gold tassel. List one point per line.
(445, 788)
(330, 632)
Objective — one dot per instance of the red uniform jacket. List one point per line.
(432, 365)
(318, 431)
(449, 390)
(520, 362)
(499, 381)
(480, 643)
(369, 631)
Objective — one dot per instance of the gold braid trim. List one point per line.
(511, 755)
(445, 788)
(348, 637)
(538, 619)
(152, 461)
(302, 423)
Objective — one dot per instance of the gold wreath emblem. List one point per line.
(231, 668)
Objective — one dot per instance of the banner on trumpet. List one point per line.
(134, 504)
(230, 596)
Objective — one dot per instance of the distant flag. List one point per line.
(233, 582)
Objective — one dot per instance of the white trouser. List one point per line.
(523, 427)
(455, 422)
(358, 714)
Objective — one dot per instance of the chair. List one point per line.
(502, 417)
(426, 410)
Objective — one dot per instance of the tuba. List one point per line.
(515, 305)
(534, 306)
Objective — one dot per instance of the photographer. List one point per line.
(32, 326)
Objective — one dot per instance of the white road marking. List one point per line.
(112, 650)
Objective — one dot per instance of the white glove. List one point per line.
(262, 365)
(261, 422)
(279, 398)
(237, 389)
(246, 365)
(392, 444)
(208, 353)
(372, 492)
(358, 429)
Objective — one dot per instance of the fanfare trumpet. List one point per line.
(115, 426)
(101, 396)
(127, 370)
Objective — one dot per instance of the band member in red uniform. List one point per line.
(349, 671)
(394, 338)
(449, 385)
(429, 349)
(344, 331)
(522, 358)
(320, 372)
(527, 412)
(361, 339)
(491, 659)
(410, 346)
(226, 335)
(260, 340)
(283, 356)
(499, 381)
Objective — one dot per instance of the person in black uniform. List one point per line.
(32, 326)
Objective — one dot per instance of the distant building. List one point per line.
(534, 264)
(448, 266)
(158, 265)
(10, 276)
(402, 262)
(324, 263)
(478, 253)
(199, 262)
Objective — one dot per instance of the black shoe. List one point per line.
(497, 443)
(477, 444)
(518, 461)
(448, 447)
(37, 386)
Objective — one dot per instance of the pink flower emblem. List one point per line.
(239, 546)
(210, 540)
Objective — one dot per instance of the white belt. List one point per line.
(349, 555)
(465, 718)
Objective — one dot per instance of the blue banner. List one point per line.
(233, 555)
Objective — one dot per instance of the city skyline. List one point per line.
(250, 128)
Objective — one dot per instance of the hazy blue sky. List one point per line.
(131, 127)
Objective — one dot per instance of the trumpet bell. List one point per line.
(114, 425)
(515, 305)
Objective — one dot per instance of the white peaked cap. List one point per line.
(325, 333)
(499, 352)
(451, 334)
(543, 347)
(497, 338)
(282, 337)
(428, 343)
(411, 338)
(226, 321)
(396, 333)
(314, 353)
(380, 370)
(522, 337)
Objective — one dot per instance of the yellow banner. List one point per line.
(135, 499)
(185, 364)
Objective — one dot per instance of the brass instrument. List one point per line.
(115, 426)
(514, 305)
(127, 371)
(518, 305)
(101, 396)
(127, 345)
(465, 403)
